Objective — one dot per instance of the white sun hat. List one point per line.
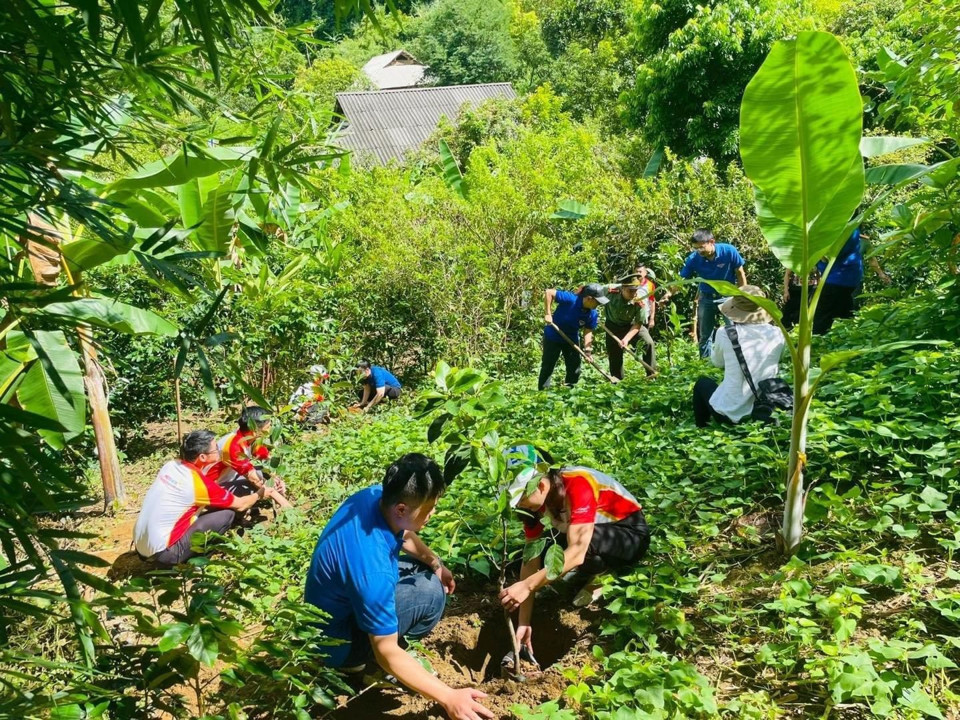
(517, 489)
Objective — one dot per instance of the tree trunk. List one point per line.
(114, 493)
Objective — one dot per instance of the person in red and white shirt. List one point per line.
(235, 470)
(598, 522)
(184, 500)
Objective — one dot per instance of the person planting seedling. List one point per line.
(308, 399)
(372, 596)
(565, 314)
(598, 523)
(239, 450)
(376, 384)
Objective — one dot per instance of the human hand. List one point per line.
(650, 324)
(548, 319)
(525, 637)
(512, 597)
(786, 295)
(463, 705)
(279, 485)
(623, 344)
(446, 578)
(885, 278)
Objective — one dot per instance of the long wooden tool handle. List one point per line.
(586, 357)
(633, 352)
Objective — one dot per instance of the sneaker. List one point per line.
(588, 595)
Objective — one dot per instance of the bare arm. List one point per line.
(787, 274)
(459, 704)
(741, 277)
(377, 397)
(548, 298)
(366, 395)
(417, 548)
(578, 539)
(242, 504)
(587, 343)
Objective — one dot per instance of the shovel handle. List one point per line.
(586, 357)
(633, 352)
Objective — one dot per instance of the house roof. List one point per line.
(387, 124)
(397, 69)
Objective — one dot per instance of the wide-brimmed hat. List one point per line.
(741, 309)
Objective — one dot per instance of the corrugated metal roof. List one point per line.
(397, 69)
(387, 124)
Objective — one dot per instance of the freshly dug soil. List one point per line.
(467, 647)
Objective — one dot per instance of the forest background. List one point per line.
(258, 248)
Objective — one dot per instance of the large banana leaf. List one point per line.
(53, 387)
(800, 129)
(219, 216)
(183, 166)
(190, 197)
(111, 314)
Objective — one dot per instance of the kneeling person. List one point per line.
(601, 527)
(372, 596)
(184, 500)
(376, 383)
(236, 470)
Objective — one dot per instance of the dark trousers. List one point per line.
(614, 545)
(702, 409)
(389, 392)
(615, 352)
(836, 302)
(791, 308)
(420, 603)
(217, 521)
(551, 353)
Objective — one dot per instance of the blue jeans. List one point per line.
(707, 312)
(420, 603)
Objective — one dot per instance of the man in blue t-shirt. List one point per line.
(841, 285)
(573, 311)
(376, 383)
(710, 260)
(372, 596)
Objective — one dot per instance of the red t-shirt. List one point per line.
(592, 497)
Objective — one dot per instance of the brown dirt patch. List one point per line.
(466, 650)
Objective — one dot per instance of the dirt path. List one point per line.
(466, 649)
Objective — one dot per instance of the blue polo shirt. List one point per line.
(723, 267)
(570, 315)
(847, 271)
(381, 377)
(353, 575)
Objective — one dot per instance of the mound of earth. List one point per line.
(467, 647)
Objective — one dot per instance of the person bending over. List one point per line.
(184, 500)
(376, 384)
(569, 312)
(601, 527)
(236, 470)
(372, 595)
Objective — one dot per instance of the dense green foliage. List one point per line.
(207, 232)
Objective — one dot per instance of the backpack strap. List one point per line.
(735, 341)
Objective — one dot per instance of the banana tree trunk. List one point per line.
(46, 262)
(795, 500)
(114, 493)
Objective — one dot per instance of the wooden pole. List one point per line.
(176, 399)
(586, 357)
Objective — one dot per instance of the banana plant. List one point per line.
(802, 145)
